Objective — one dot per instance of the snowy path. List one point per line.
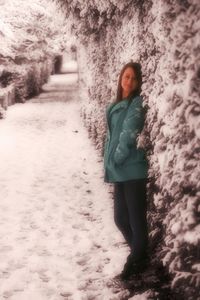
(58, 239)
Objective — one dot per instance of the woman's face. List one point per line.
(128, 81)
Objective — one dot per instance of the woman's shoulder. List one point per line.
(137, 98)
(136, 101)
(109, 105)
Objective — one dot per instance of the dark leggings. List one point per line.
(130, 209)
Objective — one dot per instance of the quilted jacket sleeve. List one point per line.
(132, 125)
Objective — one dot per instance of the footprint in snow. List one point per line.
(89, 191)
(66, 295)
(83, 260)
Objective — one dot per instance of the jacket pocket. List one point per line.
(133, 156)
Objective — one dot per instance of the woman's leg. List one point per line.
(121, 214)
(135, 195)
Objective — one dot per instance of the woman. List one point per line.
(126, 166)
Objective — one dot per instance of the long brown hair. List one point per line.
(138, 72)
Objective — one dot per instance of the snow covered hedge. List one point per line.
(32, 35)
(31, 30)
(163, 36)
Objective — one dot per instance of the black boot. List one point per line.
(133, 267)
(127, 270)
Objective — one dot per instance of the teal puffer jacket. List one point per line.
(122, 159)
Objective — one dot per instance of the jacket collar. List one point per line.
(121, 104)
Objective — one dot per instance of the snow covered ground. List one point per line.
(58, 239)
